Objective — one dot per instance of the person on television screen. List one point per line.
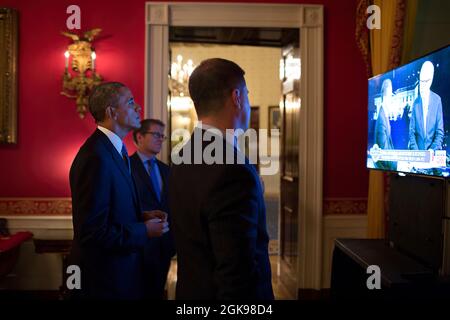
(426, 128)
(382, 126)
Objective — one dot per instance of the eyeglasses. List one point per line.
(156, 135)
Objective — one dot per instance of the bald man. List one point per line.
(426, 128)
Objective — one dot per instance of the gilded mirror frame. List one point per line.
(8, 75)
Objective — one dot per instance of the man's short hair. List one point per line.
(102, 96)
(145, 126)
(211, 83)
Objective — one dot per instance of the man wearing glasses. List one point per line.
(150, 176)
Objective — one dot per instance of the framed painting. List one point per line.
(8, 80)
(274, 118)
(254, 118)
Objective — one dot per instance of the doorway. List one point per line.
(269, 66)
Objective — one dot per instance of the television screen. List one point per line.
(409, 117)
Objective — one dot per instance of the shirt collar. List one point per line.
(143, 157)
(114, 138)
(229, 138)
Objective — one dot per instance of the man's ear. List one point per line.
(110, 113)
(236, 95)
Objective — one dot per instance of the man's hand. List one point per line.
(154, 214)
(156, 227)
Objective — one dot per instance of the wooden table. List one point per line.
(60, 246)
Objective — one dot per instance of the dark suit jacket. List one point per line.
(219, 226)
(158, 251)
(383, 139)
(432, 139)
(383, 131)
(108, 236)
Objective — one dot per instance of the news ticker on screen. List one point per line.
(431, 158)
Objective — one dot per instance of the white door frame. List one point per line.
(309, 19)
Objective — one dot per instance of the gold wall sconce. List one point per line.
(78, 83)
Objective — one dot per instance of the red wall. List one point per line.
(50, 131)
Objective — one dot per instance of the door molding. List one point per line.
(309, 19)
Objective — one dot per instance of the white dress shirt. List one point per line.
(114, 138)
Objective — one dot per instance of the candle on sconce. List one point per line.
(67, 55)
(93, 56)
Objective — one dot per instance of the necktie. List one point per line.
(125, 157)
(154, 177)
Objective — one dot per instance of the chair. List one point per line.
(10, 247)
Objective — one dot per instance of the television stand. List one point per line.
(401, 276)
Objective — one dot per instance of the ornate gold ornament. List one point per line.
(78, 83)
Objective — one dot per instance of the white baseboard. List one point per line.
(47, 227)
(339, 226)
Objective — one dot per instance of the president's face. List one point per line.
(127, 111)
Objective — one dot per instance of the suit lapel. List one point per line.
(388, 123)
(431, 111)
(388, 129)
(420, 114)
(120, 164)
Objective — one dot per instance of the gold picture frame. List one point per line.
(8, 72)
(274, 118)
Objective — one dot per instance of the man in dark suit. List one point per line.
(383, 136)
(218, 212)
(109, 233)
(426, 128)
(151, 177)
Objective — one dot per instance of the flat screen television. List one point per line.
(409, 117)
